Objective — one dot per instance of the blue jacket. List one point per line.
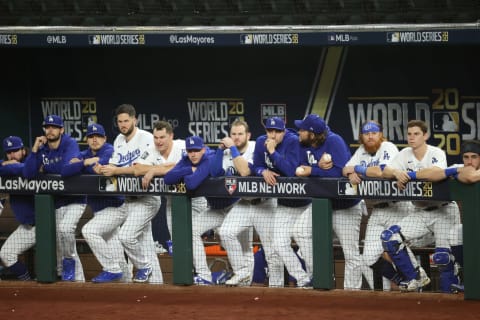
(54, 161)
(97, 203)
(283, 161)
(183, 172)
(23, 206)
(338, 149)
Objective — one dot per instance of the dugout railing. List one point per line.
(320, 190)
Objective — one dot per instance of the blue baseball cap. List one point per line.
(194, 143)
(275, 123)
(95, 129)
(53, 120)
(371, 127)
(12, 143)
(313, 123)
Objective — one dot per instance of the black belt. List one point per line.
(431, 208)
(255, 201)
(382, 205)
(132, 197)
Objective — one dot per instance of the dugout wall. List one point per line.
(202, 79)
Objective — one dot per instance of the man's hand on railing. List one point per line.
(108, 170)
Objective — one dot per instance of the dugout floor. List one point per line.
(31, 300)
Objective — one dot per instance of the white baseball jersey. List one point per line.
(153, 157)
(406, 161)
(227, 163)
(125, 153)
(383, 156)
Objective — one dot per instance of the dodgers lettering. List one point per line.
(129, 157)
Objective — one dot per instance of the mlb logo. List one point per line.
(446, 121)
(345, 188)
(95, 39)
(393, 37)
(246, 38)
(231, 185)
(331, 37)
(107, 184)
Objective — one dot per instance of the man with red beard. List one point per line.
(374, 153)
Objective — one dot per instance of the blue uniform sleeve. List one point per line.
(72, 169)
(13, 169)
(340, 153)
(70, 151)
(259, 156)
(287, 158)
(181, 169)
(216, 164)
(202, 172)
(32, 164)
(104, 155)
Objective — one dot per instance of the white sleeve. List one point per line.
(355, 159)
(115, 158)
(400, 160)
(438, 157)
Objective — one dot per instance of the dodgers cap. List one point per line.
(95, 129)
(194, 143)
(12, 143)
(53, 120)
(275, 123)
(312, 122)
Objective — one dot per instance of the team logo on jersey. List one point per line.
(231, 185)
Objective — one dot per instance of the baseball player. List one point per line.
(428, 216)
(100, 233)
(447, 261)
(134, 218)
(369, 160)
(324, 154)
(51, 153)
(234, 157)
(23, 238)
(161, 158)
(193, 169)
(277, 154)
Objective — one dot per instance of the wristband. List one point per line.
(234, 151)
(360, 169)
(451, 172)
(412, 175)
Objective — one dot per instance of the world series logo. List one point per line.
(231, 185)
